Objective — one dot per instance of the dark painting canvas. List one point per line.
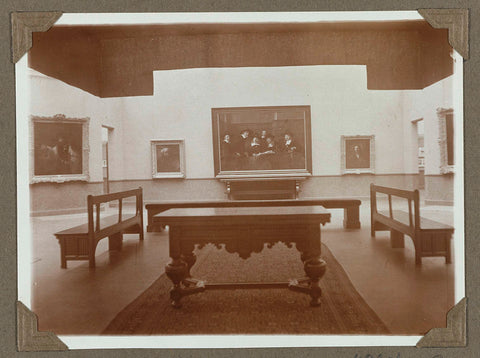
(357, 153)
(168, 158)
(57, 148)
(261, 139)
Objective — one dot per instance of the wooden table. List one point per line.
(350, 206)
(244, 230)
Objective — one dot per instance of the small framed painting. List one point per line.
(168, 158)
(358, 154)
(59, 149)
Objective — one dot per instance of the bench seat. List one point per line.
(79, 242)
(105, 223)
(430, 237)
(425, 224)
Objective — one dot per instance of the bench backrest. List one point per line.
(97, 200)
(413, 197)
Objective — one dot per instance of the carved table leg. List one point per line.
(315, 269)
(190, 258)
(176, 271)
(313, 265)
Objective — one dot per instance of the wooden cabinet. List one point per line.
(263, 189)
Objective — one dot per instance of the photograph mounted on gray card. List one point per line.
(318, 154)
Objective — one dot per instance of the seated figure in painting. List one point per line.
(267, 158)
(271, 147)
(263, 139)
(288, 145)
(288, 150)
(254, 161)
(255, 147)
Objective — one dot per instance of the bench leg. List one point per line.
(448, 256)
(397, 239)
(351, 218)
(141, 233)
(115, 242)
(91, 260)
(418, 258)
(63, 259)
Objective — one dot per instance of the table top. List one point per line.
(268, 211)
(312, 200)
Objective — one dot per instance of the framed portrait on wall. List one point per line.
(358, 154)
(168, 158)
(262, 141)
(59, 149)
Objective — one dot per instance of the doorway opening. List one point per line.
(420, 151)
(105, 172)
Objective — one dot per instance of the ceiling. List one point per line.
(119, 60)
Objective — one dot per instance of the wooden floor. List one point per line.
(408, 298)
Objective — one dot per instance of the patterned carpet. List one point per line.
(252, 311)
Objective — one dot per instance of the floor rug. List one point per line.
(251, 311)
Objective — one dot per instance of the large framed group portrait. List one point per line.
(262, 141)
(168, 158)
(59, 149)
(358, 154)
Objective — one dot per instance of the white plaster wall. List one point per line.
(424, 104)
(114, 117)
(49, 96)
(338, 95)
(181, 108)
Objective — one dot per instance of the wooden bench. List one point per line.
(351, 207)
(80, 242)
(430, 238)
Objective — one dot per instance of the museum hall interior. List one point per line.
(243, 178)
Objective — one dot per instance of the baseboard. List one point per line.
(439, 202)
(68, 211)
(114, 204)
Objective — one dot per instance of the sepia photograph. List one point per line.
(224, 180)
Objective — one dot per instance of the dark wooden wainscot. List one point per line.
(351, 207)
(80, 242)
(430, 238)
